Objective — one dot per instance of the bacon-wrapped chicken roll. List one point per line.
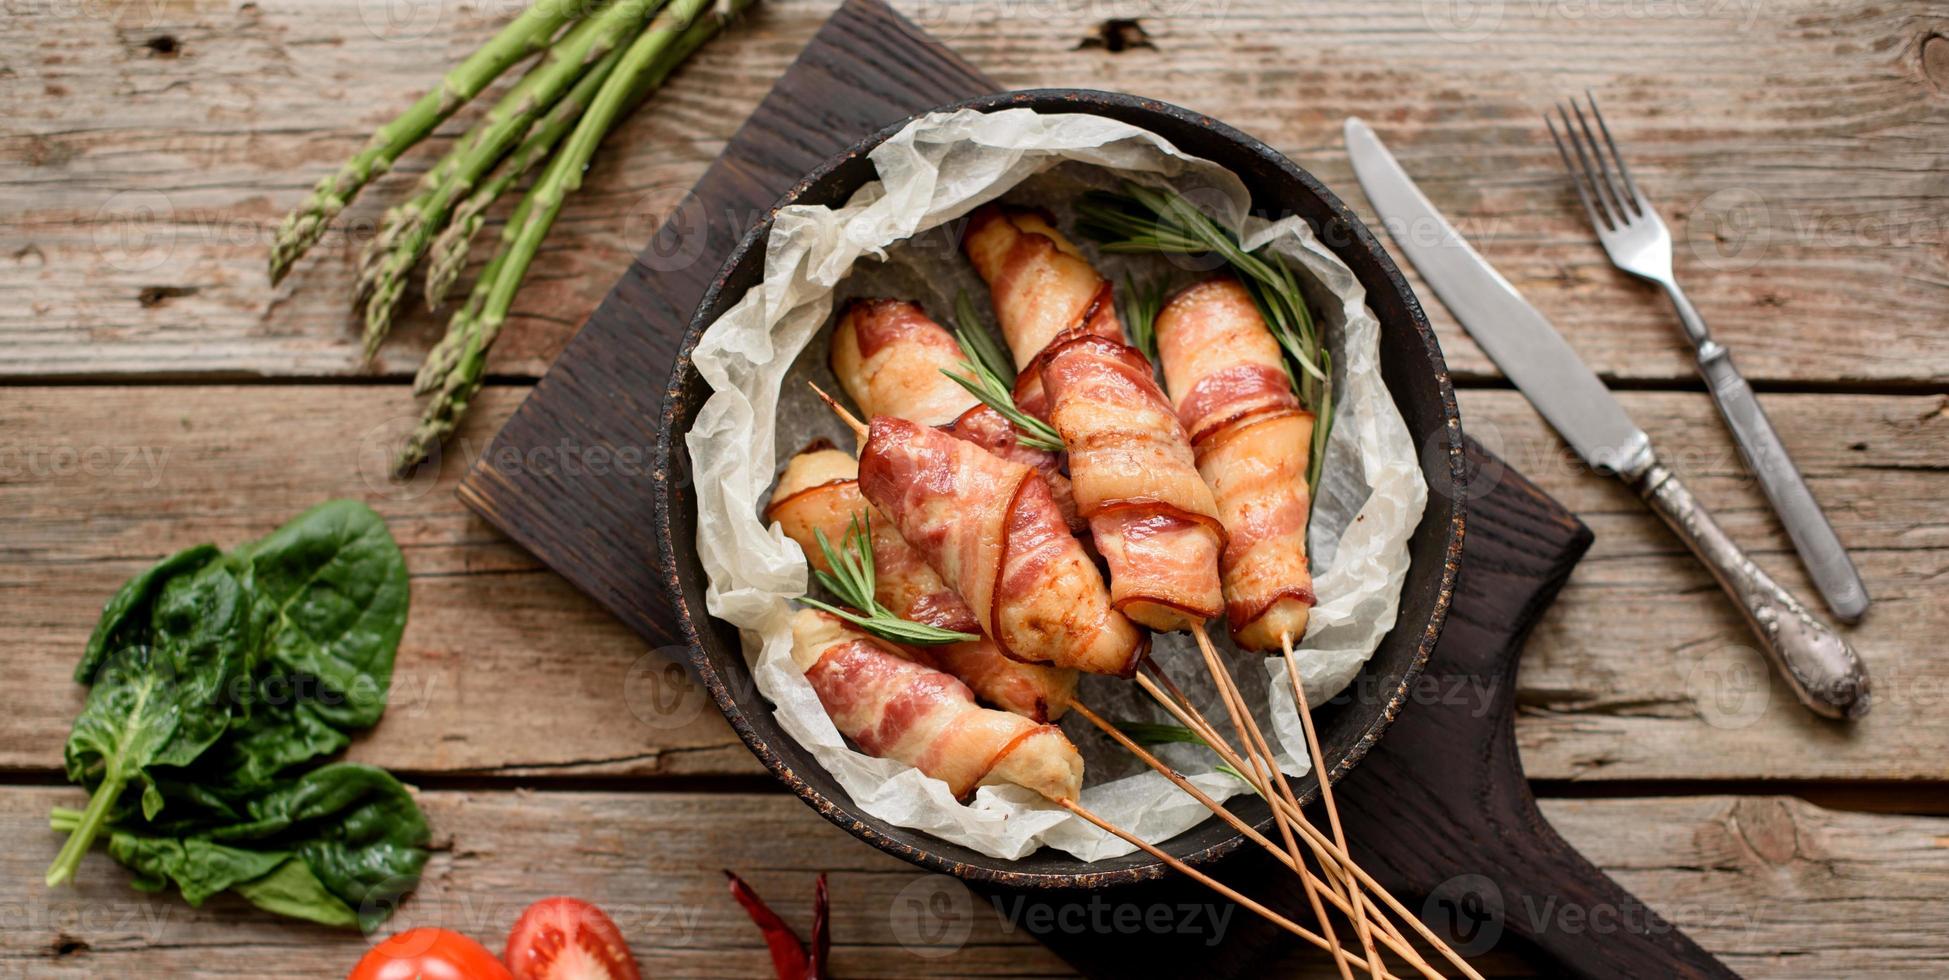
(820, 492)
(1041, 285)
(1152, 515)
(894, 708)
(988, 527)
(888, 355)
(1228, 382)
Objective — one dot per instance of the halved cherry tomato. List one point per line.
(429, 954)
(568, 939)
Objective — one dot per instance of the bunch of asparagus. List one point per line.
(599, 58)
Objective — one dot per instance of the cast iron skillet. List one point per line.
(1411, 364)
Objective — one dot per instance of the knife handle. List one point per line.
(1821, 668)
(1827, 562)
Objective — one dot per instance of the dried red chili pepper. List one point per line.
(790, 958)
(819, 961)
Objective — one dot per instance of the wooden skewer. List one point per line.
(1212, 883)
(1314, 837)
(1394, 942)
(1179, 705)
(1267, 766)
(1331, 857)
(852, 421)
(1259, 768)
(1393, 903)
(1326, 785)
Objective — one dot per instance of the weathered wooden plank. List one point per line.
(1775, 886)
(156, 144)
(504, 667)
(1642, 671)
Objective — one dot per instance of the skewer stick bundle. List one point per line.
(1160, 587)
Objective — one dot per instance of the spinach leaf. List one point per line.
(198, 867)
(163, 694)
(272, 879)
(135, 595)
(340, 845)
(216, 677)
(334, 585)
(292, 889)
(355, 826)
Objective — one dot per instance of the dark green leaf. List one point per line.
(161, 695)
(131, 604)
(357, 828)
(853, 581)
(334, 585)
(214, 677)
(199, 868)
(338, 845)
(293, 890)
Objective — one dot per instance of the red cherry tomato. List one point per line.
(429, 954)
(568, 939)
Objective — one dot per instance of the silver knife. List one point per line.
(1816, 662)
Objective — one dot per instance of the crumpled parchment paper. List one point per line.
(899, 236)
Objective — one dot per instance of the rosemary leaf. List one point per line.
(1029, 430)
(1152, 220)
(978, 345)
(990, 377)
(1148, 733)
(852, 580)
(1141, 306)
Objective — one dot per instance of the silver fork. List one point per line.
(1638, 243)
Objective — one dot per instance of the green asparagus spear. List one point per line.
(525, 35)
(448, 257)
(391, 256)
(647, 57)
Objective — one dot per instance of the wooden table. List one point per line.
(160, 393)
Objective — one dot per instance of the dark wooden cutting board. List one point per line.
(1440, 804)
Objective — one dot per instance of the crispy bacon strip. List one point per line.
(992, 533)
(895, 708)
(1041, 285)
(1153, 517)
(820, 491)
(889, 356)
(1229, 384)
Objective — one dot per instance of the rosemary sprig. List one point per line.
(1140, 308)
(852, 580)
(986, 367)
(1148, 733)
(1150, 220)
(977, 344)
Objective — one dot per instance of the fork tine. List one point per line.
(1624, 211)
(1637, 199)
(1576, 176)
(1588, 174)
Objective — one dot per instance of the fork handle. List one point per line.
(1821, 551)
(1816, 662)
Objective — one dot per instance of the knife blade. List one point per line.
(1523, 343)
(1817, 664)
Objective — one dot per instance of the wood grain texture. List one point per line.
(1640, 672)
(1453, 764)
(1775, 886)
(866, 69)
(1791, 145)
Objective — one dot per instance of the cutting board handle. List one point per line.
(1463, 834)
